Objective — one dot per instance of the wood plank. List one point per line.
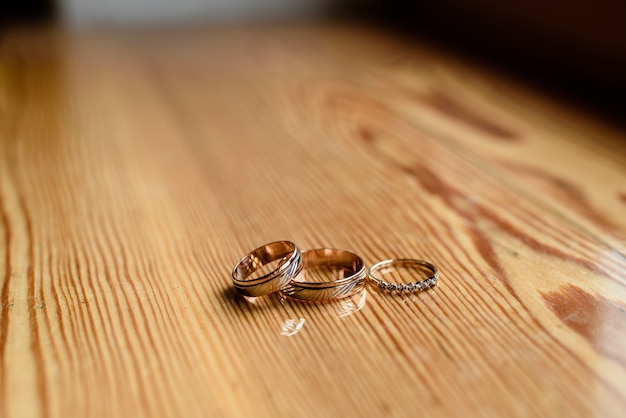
(137, 168)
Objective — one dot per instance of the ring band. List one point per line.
(348, 266)
(430, 281)
(290, 263)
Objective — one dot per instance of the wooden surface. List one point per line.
(136, 168)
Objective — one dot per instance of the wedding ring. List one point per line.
(389, 265)
(339, 274)
(290, 262)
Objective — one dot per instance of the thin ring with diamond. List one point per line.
(418, 286)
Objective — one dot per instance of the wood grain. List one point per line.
(136, 168)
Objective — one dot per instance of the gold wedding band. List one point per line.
(427, 283)
(346, 269)
(290, 262)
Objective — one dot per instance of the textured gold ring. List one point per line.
(427, 283)
(343, 271)
(290, 262)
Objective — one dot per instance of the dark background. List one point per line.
(573, 48)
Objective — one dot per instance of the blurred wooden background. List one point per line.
(137, 167)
